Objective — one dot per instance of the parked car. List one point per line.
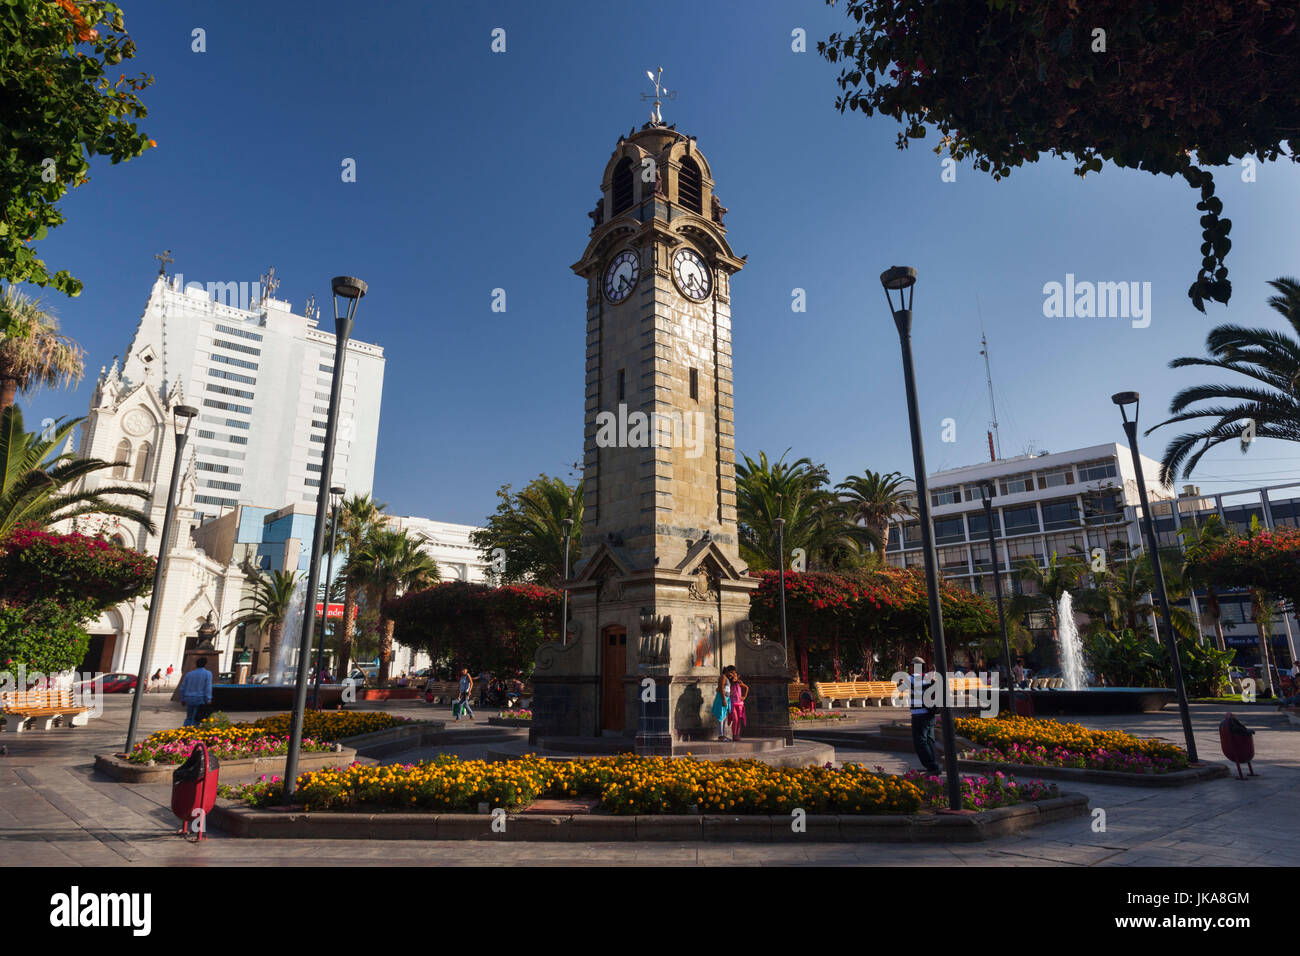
(115, 683)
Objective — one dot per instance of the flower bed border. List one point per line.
(238, 820)
(509, 722)
(374, 744)
(1175, 778)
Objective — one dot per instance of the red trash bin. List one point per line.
(1238, 743)
(1024, 704)
(194, 788)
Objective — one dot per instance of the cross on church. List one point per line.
(164, 259)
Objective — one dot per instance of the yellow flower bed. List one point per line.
(332, 724)
(624, 785)
(1005, 730)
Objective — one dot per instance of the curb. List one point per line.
(508, 722)
(240, 821)
(1178, 778)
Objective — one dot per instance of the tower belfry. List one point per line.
(660, 591)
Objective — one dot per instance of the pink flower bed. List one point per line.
(1099, 759)
(273, 745)
(982, 792)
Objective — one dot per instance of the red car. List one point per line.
(116, 683)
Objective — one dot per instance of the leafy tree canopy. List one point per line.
(60, 108)
(1143, 85)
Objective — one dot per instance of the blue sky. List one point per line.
(475, 170)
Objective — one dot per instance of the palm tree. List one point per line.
(1049, 585)
(1270, 359)
(527, 529)
(36, 479)
(1124, 591)
(359, 517)
(269, 605)
(816, 521)
(387, 564)
(1200, 539)
(876, 499)
(32, 352)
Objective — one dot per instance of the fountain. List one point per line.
(1071, 648)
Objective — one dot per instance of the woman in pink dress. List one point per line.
(739, 691)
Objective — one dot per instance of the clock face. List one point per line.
(621, 276)
(692, 274)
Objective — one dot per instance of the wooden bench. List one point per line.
(444, 691)
(54, 706)
(877, 690)
(795, 695)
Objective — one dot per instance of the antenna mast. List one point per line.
(994, 436)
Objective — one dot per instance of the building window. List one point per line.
(622, 385)
(221, 485)
(947, 530)
(123, 461)
(690, 186)
(233, 361)
(1096, 470)
(210, 466)
(622, 185)
(695, 384)
(235, 347)
(1056, 478)
(979, 526)
(229, 330)
(232, 376)
(220, 502)
(311, 467)
(1017, 484)
(1020, 520)
(223, 390)
(945, 496)
(329, 369)
(1060, 514)
(229, 407)
(142, 462)
(319, 439)
(315, 483)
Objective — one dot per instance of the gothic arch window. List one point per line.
(142, 462)
(123, 459)
(690, 186)
(622, 186)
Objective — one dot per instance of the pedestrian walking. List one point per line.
(155, 682)
(739, 691)
(722, 704)
(196, 691)
(170, 670)
(922, 717)
(466, 686)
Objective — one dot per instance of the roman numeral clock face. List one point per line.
(692, 274)
(621, 275)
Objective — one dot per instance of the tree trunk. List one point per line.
(277, 640)
(1212, 602)
(385, 649)
(8, 392)
(349, 628)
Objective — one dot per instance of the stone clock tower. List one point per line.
(659, 600)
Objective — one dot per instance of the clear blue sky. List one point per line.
(476, 171)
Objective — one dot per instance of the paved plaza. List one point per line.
(55, 810)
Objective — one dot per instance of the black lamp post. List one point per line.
(567, 524)
(780, 563)
(348, 291)
(335, 494)
(183, 417)
(902, 279)
(1123, 400)
(987, 487)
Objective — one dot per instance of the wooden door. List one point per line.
(613, 670)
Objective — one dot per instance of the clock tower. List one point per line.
(659, 599)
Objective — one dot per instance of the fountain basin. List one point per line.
(231, 697)
(1093, 700)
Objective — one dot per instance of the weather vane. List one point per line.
(656, 114)
(163, 259)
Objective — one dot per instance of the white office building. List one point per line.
(260, 377)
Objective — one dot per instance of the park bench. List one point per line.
(52, 705)
(443, 691)
(795, 695)
(877, 690)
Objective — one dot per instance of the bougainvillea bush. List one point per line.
(52, 584)
(1269, 560)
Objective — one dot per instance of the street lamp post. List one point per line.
(1123, 400)
(335, 494)
(348, 291)
(780, 557)
(567, 524)
(183, 417)
(902, 279)
(987, 487)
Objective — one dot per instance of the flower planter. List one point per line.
(389, 693)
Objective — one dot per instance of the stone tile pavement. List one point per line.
(55, 811)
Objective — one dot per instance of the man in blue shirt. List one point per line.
(922, 717)
(196, 691)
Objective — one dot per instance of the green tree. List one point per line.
(387, 564)
(60, 108)
(32, 352)
(1199, 540)
(267, 607)
(359, 517)
(1046, 587)
(527, 528)
(1264, 398)
(876, 500)
(1163, 87)
(39, 484)
(816, 521)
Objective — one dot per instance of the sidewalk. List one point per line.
(54, 811)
